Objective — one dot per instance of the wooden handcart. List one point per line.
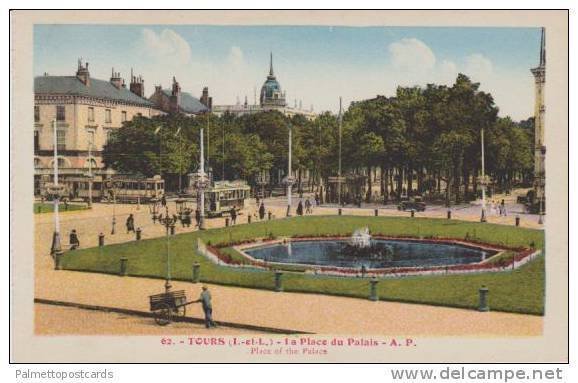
(166, 306)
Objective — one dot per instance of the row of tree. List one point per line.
(422, 140)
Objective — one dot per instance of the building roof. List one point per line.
(71, 85)
(189, 104)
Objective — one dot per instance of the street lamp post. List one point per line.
(114, 187)
(542, 185)
(56, 249)
(339, 163)
(180, 159)
(168, 222)
(289, 179)
(201, 182)
(90, 173)
(483, 217)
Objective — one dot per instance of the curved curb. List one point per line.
(148, 314)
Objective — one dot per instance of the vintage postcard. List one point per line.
(289, 186)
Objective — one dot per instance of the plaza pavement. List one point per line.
(295, 311)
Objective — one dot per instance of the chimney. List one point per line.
(82, 73)
(205, 99)
(115, 79)
(175, 99)
(136, 84)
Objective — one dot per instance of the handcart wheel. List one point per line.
(181, 311)
(163, 314)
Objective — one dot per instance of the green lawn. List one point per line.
(520, 290)
(48, 207)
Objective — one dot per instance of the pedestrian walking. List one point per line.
(308, 209)
(73, 240)
(503, 208)
(197, 217)
(163, 201)
(317, 199)
(205, 300)
(262, 211)
(300, 208)
(233, 215)
(130, 224)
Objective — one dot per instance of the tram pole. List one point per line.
(56, 249)
(339, 163)
(289, 179)
(201, 186)
(483, 217)
(90, 173)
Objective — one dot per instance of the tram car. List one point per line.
(117, 189)
(133, 190)
(223, 195)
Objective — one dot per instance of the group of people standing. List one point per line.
(308, 207)
(498, 208)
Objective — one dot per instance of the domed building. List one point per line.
(271, 93)
(272, 97)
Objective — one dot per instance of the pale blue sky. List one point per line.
(313, 64)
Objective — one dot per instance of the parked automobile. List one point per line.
(412, 204)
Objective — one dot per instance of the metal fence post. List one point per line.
(278, 281)
(484, 307)
(196, 272)
(373, 290)
(123, 266)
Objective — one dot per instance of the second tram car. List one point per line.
(119, 189)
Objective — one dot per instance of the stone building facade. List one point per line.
(86, 111)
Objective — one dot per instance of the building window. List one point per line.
(90, 163)
(90, 138)
(36, 162)
(60, 113)
(61, 163)
(123, 116)
(36, 140)
(36, 113)
(61, 140)
(107, 116)
(90, 114)
(108, 133)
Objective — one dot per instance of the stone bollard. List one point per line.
(517, 220)
(58, 260)
(278, 281)
(248, 218)
(226, 222)
(138, 233)
(484, 299)
(449, 214)
(339, 211)
(123, 266)
(196, 272)
(269, 215)
(376, 212)
(412, 213)
(100, 240)
(373, 290)
(173, 229)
